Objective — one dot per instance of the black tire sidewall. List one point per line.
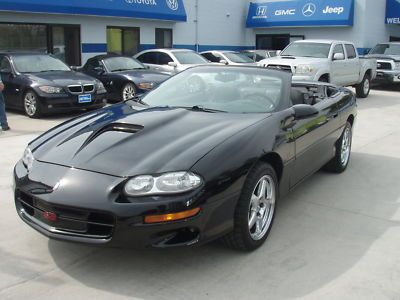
(360, 87)
(241, 213)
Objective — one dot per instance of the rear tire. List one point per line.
(255, 210)
(343, 151)
(32, 105)
(364, 87)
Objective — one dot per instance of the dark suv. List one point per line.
(40, 83)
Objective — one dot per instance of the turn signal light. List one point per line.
(171, 217)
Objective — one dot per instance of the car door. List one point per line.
(12, 87)
(315, 138)
(163, 59)
(339, 68)
(353, 64)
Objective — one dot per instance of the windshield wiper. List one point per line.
(202, 109)
(120, 70)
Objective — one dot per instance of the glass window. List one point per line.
(189, 58)
(338, 49)
(92, 64)
(117, 64)
(23, 37)
(5, 66)
(163, 59)
(211, 57)
(222, 89)
(237, 57)
(38, 63)
(351, 52)
(304, 49)
(148, 58)
(123, 41)
(386, 49)
(164, 38)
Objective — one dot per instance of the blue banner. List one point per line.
(301, 13)
(392, 12)
(172, 10)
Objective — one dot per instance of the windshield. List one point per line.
(317, 50)
(190, 58)
(223, 89)
(115, 64)
(38, 63)
(237, 57)
(386, 49)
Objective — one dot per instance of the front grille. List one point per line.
(75, 89)
(382, 65)
(70, 221)
(88, 88)
(280, 67)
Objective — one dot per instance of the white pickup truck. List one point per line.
(336, 62)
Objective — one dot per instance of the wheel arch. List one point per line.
(275, 160)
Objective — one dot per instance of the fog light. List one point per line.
(171, 217)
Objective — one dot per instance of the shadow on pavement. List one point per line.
(322, 230)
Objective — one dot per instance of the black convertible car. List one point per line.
(205, 155)
(40, 83)
(123, 77)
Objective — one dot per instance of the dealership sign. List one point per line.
(171, 10)
(392, 12)
(301, 13)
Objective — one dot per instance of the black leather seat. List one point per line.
(297, 96)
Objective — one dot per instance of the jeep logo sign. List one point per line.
(333, 10)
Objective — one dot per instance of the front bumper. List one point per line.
(387, 76)
(303, 77)
(90, 209)
(67, 102)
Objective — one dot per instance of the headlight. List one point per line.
(304, 69)
(169, 183)
(146, 85)
(397, 65)
(100, 86)
(28, 158)
(50, 89)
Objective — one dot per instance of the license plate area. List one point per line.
(85, 98)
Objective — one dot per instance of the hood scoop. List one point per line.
(113, 127)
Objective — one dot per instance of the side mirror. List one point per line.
(6, 72)
(278, 52)
(304, 111)
(172, 64)
(99, 70)
(338, 56)
(223, 61)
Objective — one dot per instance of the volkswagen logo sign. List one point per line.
(309, 9)
(172, 4)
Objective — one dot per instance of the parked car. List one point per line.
(228, 58)
(388, 62)
(123, 77)
(331, 61)
(257, 55)
(171, 61)
(205, 155)
(40, 83)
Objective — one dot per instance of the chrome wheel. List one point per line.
(128, 92)
(30, 104)
(366, 86)
(262, 207)
(346, 146)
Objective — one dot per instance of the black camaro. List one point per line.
(123, 77)
(205, 155)
(40, 83)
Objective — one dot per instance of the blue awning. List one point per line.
(301, 13)
(170, 10)
(392, 12)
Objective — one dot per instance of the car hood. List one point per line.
(292, 61)
(384, 57)
(145, 75)
(125, 140)
(60, 78)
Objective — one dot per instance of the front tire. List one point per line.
(255, 210)
(343, 151)
(32, 106)
(364, 87)
(128, 91)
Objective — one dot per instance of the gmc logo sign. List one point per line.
(286, 12)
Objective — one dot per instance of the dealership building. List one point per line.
(76, 30)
